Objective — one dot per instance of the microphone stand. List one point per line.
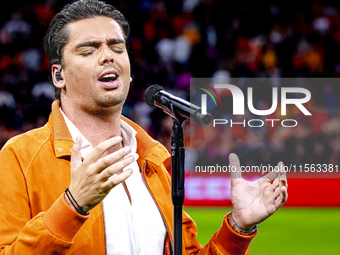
(179, 110)
(177, 180)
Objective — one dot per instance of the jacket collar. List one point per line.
(62, 139)
(147, 148)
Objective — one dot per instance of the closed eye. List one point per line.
(117, 49)
(85, 53)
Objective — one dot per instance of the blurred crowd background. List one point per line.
(173, 41)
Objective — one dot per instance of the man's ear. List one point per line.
(57, 76)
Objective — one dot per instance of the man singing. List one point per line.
(93, 182)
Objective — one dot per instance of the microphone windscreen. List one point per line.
(150, 92)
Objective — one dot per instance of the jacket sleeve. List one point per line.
(225, 241)
(50, 232)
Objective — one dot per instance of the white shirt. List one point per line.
(136, 228)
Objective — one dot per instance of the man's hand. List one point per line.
(253, 202)
(90, 181)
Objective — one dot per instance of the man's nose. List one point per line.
(107, 56)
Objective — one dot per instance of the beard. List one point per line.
(109, 102)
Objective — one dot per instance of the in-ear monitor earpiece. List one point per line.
(58, 76)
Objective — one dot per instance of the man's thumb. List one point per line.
(235, 167)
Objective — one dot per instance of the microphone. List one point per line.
(156, 96)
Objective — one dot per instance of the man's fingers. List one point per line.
(76, 155)
(283, 180)
(119, 178)
(115, 168)
(284, 193)
(278, 170)
(235, 166)
(101, 148)
(276, 183)
(282, 198)
(284, 187)
(277, 192)
(112, 158)
(280, 185)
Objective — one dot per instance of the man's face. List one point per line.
(96, 69)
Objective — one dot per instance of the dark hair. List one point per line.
(57, 36)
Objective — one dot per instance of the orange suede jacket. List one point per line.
(35, 219)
